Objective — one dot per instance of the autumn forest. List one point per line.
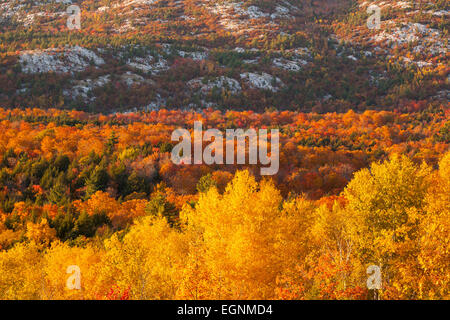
(88, 186)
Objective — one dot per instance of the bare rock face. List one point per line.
(66, 60)
(262, 81)
(204, 86)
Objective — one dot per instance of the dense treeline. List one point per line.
(92, 189)
(247, 242)
(57, 157)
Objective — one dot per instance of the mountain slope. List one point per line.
(190, 54)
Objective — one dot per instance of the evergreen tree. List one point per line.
(97, 181)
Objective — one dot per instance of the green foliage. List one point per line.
(87, 225)
(97, 181)
(444, 134)
(205, 183)
(159, 206)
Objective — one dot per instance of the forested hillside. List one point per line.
(100, 192)
(249, 55)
